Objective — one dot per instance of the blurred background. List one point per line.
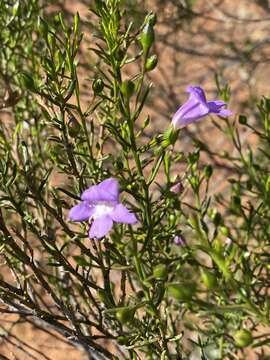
(207, 43)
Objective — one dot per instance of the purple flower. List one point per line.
(177, 188)
(101, 204)
(179, 240)
(197, 107)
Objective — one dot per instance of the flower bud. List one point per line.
(133, 187)
(125, 315)
(208, 171)
(97, 86)
(151, 63)
(215, 216)
(73, 127)
(169, 137)
(242, 119)
(160, 272)
(217, 220)
(172, 219)
(209, 279)
(182, 291)
(147, 37)
(243, 338)
(127, 88)
(224, 231)
(152, 19)
(179, 240)
(177, 188)
(76, 22)
(122, 340)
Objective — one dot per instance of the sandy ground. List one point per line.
(220, 37)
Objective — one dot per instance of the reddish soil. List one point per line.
(220, 37)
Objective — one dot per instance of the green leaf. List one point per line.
(80, 260)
